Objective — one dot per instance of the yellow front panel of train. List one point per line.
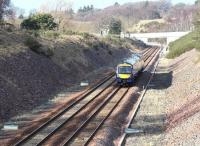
(124, 76)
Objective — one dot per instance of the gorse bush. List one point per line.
(51, 34)
(70, 32)
(36, 47)
(115, 26)
(39, 21)
(33, 44)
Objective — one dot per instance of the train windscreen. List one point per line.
(125, 70)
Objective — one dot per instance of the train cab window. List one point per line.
(125, 70)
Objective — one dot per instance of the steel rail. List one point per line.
(94, 114)
(67, 142)
(73, 115)
(103, 121)
(21, 142)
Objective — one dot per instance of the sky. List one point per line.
(28, 5)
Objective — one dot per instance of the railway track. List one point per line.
(78, 123)
(134, 111)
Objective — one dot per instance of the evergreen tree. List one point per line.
(115, 26)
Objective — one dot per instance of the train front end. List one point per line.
(124, 74)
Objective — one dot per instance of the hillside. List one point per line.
(184, 44)
(29, 77)
(177, 17)
(148, 26)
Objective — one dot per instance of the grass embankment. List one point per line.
(182, 45)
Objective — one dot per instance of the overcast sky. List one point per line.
(35, 4)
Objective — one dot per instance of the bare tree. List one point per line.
(3, 6)
(61, 10)
(180, 17)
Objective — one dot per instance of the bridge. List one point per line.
(169, 36)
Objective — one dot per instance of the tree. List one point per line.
(61, 11)
(21, 16)
(146, 4)
(39, 21)
(86, 9)
(4, 4)
(165, 5)
(115, 26)
(32, 12)
(197, 24)
(116, 4)
(197, 2)
(30, 23)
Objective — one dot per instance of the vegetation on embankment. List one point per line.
(182, 45)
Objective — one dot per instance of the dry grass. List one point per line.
(79, 26)
(142, 26)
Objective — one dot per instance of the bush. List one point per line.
(39, 21)
(110, 52)
(33, 44)
(70, 32)
(52, 34)
(30, 24)
(36, 47)
(86, 35)
(115, 26)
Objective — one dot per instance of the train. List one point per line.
(128, 70)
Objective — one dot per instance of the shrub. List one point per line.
(115, 26)
(52, 34)
(30, 24)
(33, 44)
(36, 47)
(39, 21)
(110, 52)
(85, 35)
(70, 32)
(95, 46)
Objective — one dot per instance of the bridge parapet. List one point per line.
(170, 36)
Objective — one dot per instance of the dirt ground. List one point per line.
(170, 112)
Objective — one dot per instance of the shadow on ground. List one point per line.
(149, 125)
(152, 124)
(160, 80)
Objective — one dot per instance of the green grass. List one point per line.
(182, 45)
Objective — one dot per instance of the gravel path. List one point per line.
(170, 112)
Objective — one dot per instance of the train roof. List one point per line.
(133, 59)
(125, 64)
